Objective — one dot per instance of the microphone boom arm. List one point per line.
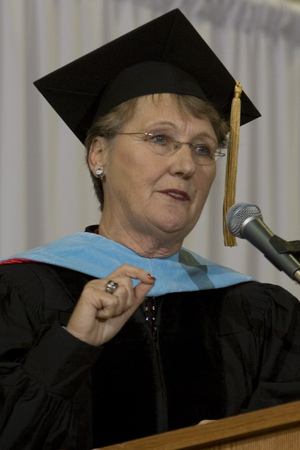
(260, 235)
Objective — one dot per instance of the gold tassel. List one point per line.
(232, 161)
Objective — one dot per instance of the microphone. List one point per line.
(245, 221)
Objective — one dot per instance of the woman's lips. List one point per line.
(176, 194)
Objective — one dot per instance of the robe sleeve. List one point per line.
(42, 368)
(279, 377)
(264, 348)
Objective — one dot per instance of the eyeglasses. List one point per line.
(165, 145)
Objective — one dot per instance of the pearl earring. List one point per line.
(100, 172)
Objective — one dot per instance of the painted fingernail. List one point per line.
(151, 277)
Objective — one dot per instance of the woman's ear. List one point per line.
(96, 154)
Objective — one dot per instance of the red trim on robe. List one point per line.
(15, 261)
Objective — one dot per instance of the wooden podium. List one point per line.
(276, 428)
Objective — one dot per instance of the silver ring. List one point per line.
(111, 286)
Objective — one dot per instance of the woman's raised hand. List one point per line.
(99, 315)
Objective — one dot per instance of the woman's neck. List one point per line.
(143, 245)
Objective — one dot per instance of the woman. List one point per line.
(119, 332)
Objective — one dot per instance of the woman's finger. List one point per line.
(132, 272)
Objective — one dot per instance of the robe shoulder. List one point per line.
(257, 305)
(257, 297)
(42, 287)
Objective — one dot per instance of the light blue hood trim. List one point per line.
(97, 256)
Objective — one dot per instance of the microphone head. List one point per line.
(238, 214)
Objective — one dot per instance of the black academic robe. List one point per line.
(215, 353)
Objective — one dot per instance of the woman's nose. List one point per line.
(181, 162)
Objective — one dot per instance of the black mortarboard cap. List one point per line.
(77, 90)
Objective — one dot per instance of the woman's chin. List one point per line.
(175, 226)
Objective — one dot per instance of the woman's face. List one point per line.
(147, 194)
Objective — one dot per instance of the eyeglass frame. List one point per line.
(217, 154)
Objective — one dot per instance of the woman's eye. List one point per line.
(160, 139)
(202, 150)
